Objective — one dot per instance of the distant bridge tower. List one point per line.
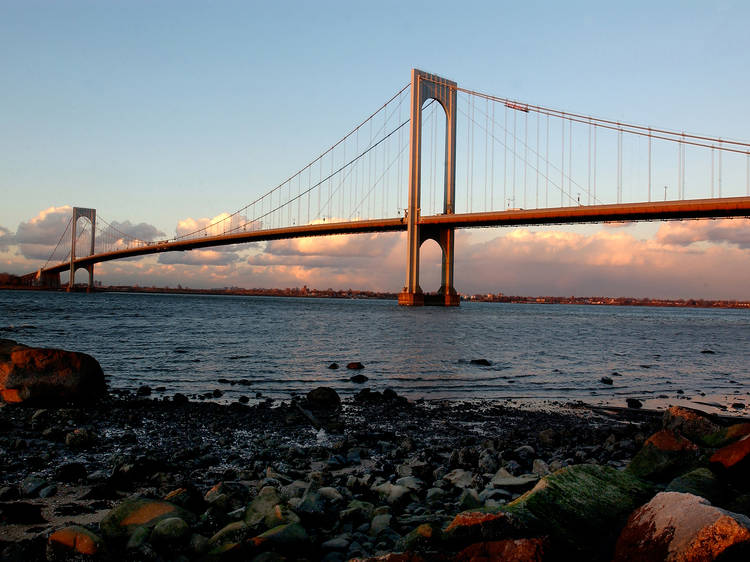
(90, 214)
(424, 87)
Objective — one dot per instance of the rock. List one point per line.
(504, 479)
(80, 439)
(606, 380)
(230, 535)
(380, 523)
(634, 403)
(580, 507)
(74, 539)
(708, 351)
(261, 507)
(481, 362)
(356, 365)
(734, 457)
(392, 493)
(291, 538)
(688, 422)
(359, 379)
(170, 531)
(426, 536)
(143, 391)
(699, 482)
(49, 376)
(32, 485)
(333, 366)
(459, 478)
(469, 499)
(475, 526)
(132, 513)
(509, 550)
(663, 455)
(540, 468)
(180, 399)
(549, 437)
(676, 526)
(70, 472)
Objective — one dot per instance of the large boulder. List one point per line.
(664, 455)
(676, 526)
(581, 508)
(31, 375)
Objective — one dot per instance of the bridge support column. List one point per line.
(47, 280)
(426, 86)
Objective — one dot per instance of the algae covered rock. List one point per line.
(694, 424)
(700, 482)
(664, 455)
(578, 503)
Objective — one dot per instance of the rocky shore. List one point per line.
(372, 477)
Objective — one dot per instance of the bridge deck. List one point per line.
(661, 210)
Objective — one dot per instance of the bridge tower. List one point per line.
(426, 86)
(90, 214)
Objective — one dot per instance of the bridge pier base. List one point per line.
(47, 280)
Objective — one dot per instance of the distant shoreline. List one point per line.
(369, 295)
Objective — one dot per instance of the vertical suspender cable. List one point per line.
(537, 160)
(546, 172)
(619, 166)
(712, 171)
(505, 158)
(486, 134)
(525, 154)
(720, 151)
(588, 184)
(562, 159)
(594, 165)
(649, 165)
(513, 184)
(492, 167)
(570, 159)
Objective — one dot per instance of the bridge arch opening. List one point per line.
(430, 266)
(432, 170)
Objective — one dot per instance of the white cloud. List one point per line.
(685, 233)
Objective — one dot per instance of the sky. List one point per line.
(166, 114)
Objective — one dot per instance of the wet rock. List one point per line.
(355, 365)
(380, 523)
(606, 380)
(48, 376)
(359, 379)
(333, 365)
(676, 526)
(289, 539)
(634, 403)
(143, 391)
(469, 499)
(459, 478)
(32, 485)
(81, 438)
(70, 472)
(481, 362)
(75, 540)
(475, 526)
(708, 352)
(228, 537)
(663, 455)
(180, 399)
(426, 536)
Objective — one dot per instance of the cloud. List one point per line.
(39, 236)
(141, 231)
(685, 233)
(220, 224)
(6, 238)
(371, 245)
(198, 257)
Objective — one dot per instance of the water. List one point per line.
(283, 346)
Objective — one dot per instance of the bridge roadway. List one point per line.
(660, 210)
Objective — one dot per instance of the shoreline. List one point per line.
(731, 304)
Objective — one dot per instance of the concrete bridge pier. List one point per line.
(47, 280)
(90, 214)
(426, 86)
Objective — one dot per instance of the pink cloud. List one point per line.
(730, 231)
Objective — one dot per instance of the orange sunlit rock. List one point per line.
(666, 440)
(75, 538)
(10, 395)
(147, 513)
(472, 518)
(732, 454)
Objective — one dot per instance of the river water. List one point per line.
(283, 346)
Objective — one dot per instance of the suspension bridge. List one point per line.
(400, 170)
